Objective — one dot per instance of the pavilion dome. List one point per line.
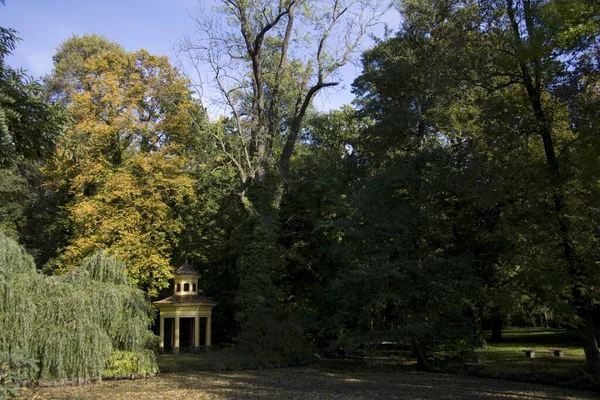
(186, 269)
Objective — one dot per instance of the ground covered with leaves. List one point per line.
(306, 382)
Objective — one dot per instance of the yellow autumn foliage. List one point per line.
(123, 163)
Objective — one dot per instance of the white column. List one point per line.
(161, 346)
(176, 346)
(197, 333)
(208, 331)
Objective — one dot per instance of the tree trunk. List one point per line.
(422, 360)
(590, 343)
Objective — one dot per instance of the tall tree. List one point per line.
(123, 164)
(35, 217)
(268, 107)
(263, 32)
(28, 130)
(533, 47)
(413, 270)
(314, 210)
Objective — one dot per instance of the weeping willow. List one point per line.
(73, 325)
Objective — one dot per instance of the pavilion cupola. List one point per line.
(186, 280)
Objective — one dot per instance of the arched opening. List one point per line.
(186, 287)
(193, 287)
(178, 287)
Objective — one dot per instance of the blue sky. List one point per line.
(155, 25)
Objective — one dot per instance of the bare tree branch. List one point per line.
(256, 63)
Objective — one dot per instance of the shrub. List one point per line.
(130, 364)
(16, 367)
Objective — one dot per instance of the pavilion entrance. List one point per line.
(185, 317)
(186, 334)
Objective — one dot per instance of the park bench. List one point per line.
(531, 353)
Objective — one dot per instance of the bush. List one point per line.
(16, 367)
(130, 364)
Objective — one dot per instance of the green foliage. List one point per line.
(268, 80)
(258, 262)
(29, 127)
(16, 368)
(28, 124)
(7, 45)
(129, 364)
(71, 324)
(411, 271)
(14, 189)
(67, 77)
(468, 182)
(463, 187)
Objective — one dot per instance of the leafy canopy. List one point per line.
(123, 164)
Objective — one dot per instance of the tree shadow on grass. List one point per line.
(308, 382)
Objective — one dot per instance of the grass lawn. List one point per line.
(507, 359)
(217, 359)
(309, 382)
(226, 374)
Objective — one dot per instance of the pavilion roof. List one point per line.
(186, 269)
(177, 299)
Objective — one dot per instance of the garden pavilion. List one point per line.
(182, 314)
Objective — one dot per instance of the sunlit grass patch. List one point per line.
(562, 336)
(507, 359)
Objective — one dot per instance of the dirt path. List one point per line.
(306, 383)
